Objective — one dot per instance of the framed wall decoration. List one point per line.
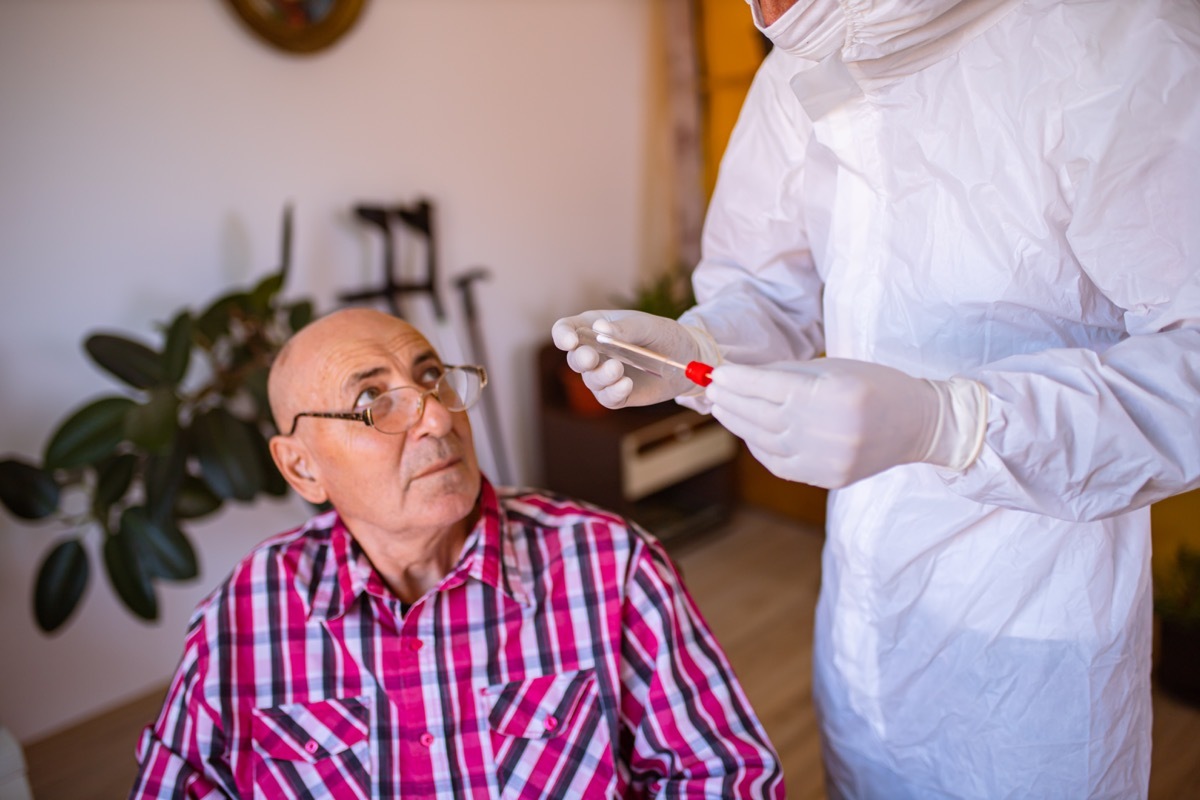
(298, 26)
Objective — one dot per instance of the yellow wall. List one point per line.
(731, 49)
(1174, 522)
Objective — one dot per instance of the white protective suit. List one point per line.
(1008, 191)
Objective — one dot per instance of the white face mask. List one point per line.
(811, 29)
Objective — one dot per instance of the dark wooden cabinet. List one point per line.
(664, 466)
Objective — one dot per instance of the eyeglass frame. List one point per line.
(365, 418)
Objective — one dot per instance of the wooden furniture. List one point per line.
(664, 466)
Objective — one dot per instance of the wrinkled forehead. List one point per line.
(341, 354)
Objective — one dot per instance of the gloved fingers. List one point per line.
(661, 334)
(751, 432)
(770, 383)
(795, 467)
(756, 429)
(605, 375)
(616, 394)
(563, 330)
(563, 334)
(634, 327)
(583, 358)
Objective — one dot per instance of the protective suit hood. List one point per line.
(879, 42)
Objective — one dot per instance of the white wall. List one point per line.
(146, 151)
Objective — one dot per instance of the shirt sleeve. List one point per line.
(690, 729)
(1078, 434)
(758, 291)
(177, 753)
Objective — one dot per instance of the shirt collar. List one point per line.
(489, 555)
(331, 578)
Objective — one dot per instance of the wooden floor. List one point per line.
(756, 583)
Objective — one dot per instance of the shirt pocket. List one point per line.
(317, 749)
(548, 733)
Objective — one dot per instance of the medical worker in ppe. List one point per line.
(987, 216)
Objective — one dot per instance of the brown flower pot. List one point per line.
(579, 398)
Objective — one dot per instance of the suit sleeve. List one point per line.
(758, 291)
(1082, 435)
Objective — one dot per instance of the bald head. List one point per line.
(302, 371)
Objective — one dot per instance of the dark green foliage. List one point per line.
(89, 434)
(162, 549)
(60, 583)
(668, 295)
(177, 353)
(129, 361)
(1177, 595)
(195, 499)
(228, 461)
(28, 492)
(114, 476)
(128, 576)
(164, 453)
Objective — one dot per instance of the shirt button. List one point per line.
(427, 739)
(551, 722)
(310, 746)
(415, 644)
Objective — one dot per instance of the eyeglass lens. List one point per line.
(397, 410)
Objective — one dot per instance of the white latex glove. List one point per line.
(615, 384)
(830, 422)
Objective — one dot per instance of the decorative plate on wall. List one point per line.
(298, 26)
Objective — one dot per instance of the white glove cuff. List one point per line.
(708, 352)
(961, 424)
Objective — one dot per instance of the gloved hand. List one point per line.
(830, 422)
(616, 385)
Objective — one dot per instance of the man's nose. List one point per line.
(435, 418)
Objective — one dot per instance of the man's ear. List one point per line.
(295, 464)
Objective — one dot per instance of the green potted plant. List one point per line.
(1177, 603)
(666, 295)
(187, 431)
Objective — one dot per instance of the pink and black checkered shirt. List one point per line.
(561, 657)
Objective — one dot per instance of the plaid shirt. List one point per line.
(561, 657)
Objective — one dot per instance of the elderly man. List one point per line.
(431, 637)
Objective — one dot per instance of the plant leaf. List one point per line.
(265, 292)
(128, 577)
(273, 482)
(256, 386)
(162, 476)
(161, 546)
(60, 583)
(213, 323)
(27, 492)
(130, 361)
(152, 425)
(195, 499)
(300, 314)
(226, 451)
(177, 351)
(113, 477)
(89, 434)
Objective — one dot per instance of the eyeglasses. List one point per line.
(397, 410)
